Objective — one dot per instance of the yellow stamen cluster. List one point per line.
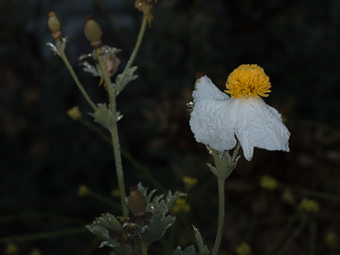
(248, 80)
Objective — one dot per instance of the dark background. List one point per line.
(44, 155)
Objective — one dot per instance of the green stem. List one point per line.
(293, 236)
(114, 135)
(134, 52)
(317, 194)
(145, 171)
(220, 227)
(144, 248)
(312, 236)
(49, 216)
(43, 235)
(283, 233)
(119, 168)
(235, 153)
(96, 130)
(75, 78)
(110, 89)
(103, 199)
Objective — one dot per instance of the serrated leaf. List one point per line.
(190, 250)
(109, 221)
(123, 79)
(104, 116)
(171, 199)
(202, 248)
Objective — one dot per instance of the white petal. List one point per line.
(259, 125)
(211, 120)
(206, 89)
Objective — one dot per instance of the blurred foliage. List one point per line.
(45, 155)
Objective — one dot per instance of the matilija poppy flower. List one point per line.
(217, 118)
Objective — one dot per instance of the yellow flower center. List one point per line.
(248, 80)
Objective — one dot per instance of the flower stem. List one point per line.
(119, 168)
(75, 78)
(43, 235)
(107, 80)
(114, 134)
(144, 248)
(312, 237)
(134, 52)
(103, 199)
(221, 205)
(283, 233)
(293, 236)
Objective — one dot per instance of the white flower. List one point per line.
(217, 118)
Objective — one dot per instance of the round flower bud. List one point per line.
(54, 25)
(93, 31)
(137, 202)
(53, 22)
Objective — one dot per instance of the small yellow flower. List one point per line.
(181, 205)
(115, 193)
(309, 205)
(268, 183)
(189, 182)
(287, 196)
(331, 239)
(11, 249)
(35, 252)
(82, 190)
(243, 249)
(74, 113)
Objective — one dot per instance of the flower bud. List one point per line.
(137, 202)
(54, 25)
(93, 32)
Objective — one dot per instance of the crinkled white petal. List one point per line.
(259, 125)
(206, 89)
(216, 119)
(210, 122)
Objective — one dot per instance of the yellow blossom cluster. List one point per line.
(82, 190)
(243, 249)
(189, 182)
(268, 183)
(181, 205)
(309, 205)
(74, 113)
